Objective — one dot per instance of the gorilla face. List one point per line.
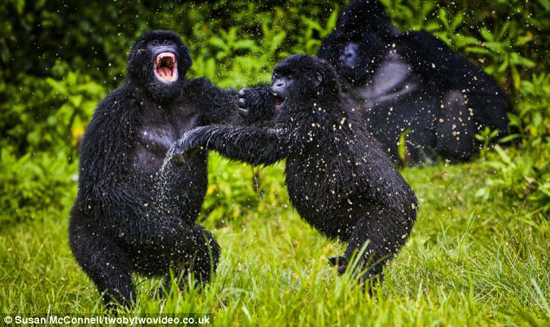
(359, 58)
(302, 78)
(355, 56)
(350, 55)
(158, 63)
(281, 87)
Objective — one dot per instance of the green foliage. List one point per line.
(237, 192)
(506, 37)
(524, 172)
(34, 186)
(47, 113)
(59, 61)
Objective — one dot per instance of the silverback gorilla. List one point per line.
(410, 86)
(338, 178)
(126, 217)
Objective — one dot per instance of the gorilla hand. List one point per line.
(257, 104)
(184, 147)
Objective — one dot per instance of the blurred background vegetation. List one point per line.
(58, 59)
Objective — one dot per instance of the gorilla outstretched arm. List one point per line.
(217, 106)
(111, 202)
(253, 145)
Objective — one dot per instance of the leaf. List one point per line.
(311, 23)
(487, 35)
(522, 40)
(245, 44)
(545, 4)
(457, 21)
(215, 41)
(503, 155)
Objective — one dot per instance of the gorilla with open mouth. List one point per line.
(338, 178)
(130, 216)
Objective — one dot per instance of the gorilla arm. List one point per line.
(432, 58)
(220, 106)
(216, 105)
(253, 145)
(105, 158)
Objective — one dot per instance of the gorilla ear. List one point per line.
(318, 78)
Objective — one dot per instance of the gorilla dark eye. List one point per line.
(166, 67)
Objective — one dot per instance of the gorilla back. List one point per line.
(129, 216)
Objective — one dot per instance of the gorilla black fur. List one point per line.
(338, 178)
(412, 83)
(129, 217)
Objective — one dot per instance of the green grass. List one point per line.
(467, 263)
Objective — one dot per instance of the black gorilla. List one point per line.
(412, 85)
(338, 178)
(129, 216)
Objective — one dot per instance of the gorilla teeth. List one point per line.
(165, 67)
(279, 100)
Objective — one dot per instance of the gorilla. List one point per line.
(129, 216)
(339, 179)
(412, 90)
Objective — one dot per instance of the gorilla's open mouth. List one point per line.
(166, 67)
(279, 100)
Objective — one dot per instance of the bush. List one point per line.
(57, 61)
(33, 186)
(523, 173)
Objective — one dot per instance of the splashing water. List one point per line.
(161, 185)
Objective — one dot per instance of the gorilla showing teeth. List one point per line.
(338, 178)
(411, 86)
(166, 67)
(129, 216)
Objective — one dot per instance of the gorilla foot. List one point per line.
(340, 262)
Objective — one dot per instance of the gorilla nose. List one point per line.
(348, 58)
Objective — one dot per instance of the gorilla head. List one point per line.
(365, 16)
(158, 63)
(359, 42)
(355, 58)
(302, 78)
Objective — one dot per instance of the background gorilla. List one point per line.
(413, 83)
(127, 217)
(338, 178)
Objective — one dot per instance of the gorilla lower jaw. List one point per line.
(279, 100)
(166, 67)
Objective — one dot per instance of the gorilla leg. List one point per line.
(207, 255)
(455, 129)
(386, 230)
(201, 261)
(103, 261)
